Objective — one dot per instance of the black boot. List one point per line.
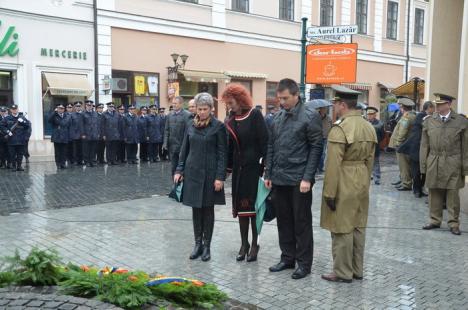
(208, 224)
(197, 219)
(244, 232)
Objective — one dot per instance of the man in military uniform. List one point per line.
(131, 134)
(161, 151)
(444, 160)
(90, 134)
(69, 111)
(400, 134)
(379, 131)
(351, 148)
(101, 144)
(155, 133)
(143, 133)
(110, 133)
(121, 153)
(60, 122)
(76, 131)
(3, 141)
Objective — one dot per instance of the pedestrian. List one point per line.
(444, 161)
(326, 126)
(90, 133)
(247, 146)
(101, 144)
(176, 124)
(272, 110)
(60, 121)
(161, 150)
(76, 132)
(155, 131)
(131, 135)
(202, 167)
(15, 126)
(121, 151)
(3, 140)
(379, 131)
(345, 203)
(111, 133)
(412, 146)
(400, 134)
(143, 133)
(294, 150)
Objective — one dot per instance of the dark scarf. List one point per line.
(201, 124)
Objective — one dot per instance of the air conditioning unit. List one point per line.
(119, 84)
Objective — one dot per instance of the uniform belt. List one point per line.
(353, 162)
(444, 153)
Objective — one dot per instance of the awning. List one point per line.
(204, 76)
(343, 89)
(358, 86)
(407, 89)
(246, 75)
(64, 84)
(385, 85)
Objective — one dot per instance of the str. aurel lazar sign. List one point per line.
(332, 31)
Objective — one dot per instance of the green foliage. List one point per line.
(80, 284)
(119, 290)
(7, 278)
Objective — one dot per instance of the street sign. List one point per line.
(331, 32)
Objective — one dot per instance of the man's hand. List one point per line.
(218, 185)
(104, 138)
(10, 133)
(83, 137)
(305, 186)
(178, 178)
(268, 184)
(20, 120)
(331, 203)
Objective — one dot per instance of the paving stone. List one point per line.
(52, 304)
(35, 303)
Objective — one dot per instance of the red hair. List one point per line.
(238, 93)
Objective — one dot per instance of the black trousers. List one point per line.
(70, 152)
(153, 151)
(418, 178)
(3, 152)
(121, 151)
(162, 153)
(89, 151)
(294, 221)
(174, 161)
(111, 151)
(78, 151)
(100, 149)
(132, 149)
(60, 150)
(144, 151)
(16, 153)
(26, 150)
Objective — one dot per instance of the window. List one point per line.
(392, 20)
(361, 16)
(271, 93)
(286, 9)
(240, 6)
(419, 26)
(326, 12)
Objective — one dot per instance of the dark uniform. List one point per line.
(76, 131)
(162, 152)
(174, 131)
(90, 135)
(143, 135)
(155, 132)
(60, 121)
(111, 133)
(101, 144)
(3, 141)
(131, 135)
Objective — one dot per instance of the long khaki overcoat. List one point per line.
(351, 148)
(402, 129)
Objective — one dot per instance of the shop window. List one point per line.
(419, 26)
(138, 88)
(240, 6)
(246, 83)
(326, 12)
(392, 20)
(6, 88)
(271, 93)
(361, 16)
(286, 9)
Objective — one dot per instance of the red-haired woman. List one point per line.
(248, 139)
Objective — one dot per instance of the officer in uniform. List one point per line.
(121, 153)
(90, 134)
(400, 134)
(3, 141)
(76, 131)
(155, 133)
(162, 152)
(379, 130)
(15, 127)
(111, 133)
(143, 134)
(60, 122)
(444, 160)
(131, 135)
(101, 144)
(351, 148)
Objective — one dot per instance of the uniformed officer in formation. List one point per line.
(161, 150)
(400, 134)
(90, 133)
(131, 135)
(101, 144)
(76, 132)
(60, 121)
(345, 203)
(379, 131)
(69, 111)
(121, 149)
(444, 160)
(3, 140)
(155, 133)
(15, 127)
(111, 133)
(143, 133)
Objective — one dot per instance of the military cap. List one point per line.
(162, 109)
(121, 107)
(78, 103)
(407, 102)
(143, 108)
(3, 109)
(372, 110)
(110, 104)
(442, 98)
(258, 107)
(13, 107)
(60, 106)
(89, 101)
(100, 105)
(131, 107)
(69, 105)
(344, 96)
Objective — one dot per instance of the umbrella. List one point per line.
(392, 107)
(319, 103)
(260, 207)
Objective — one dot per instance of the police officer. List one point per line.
(155, 132)
(15, 127)
(3, 141)
(351, 148)
(161, 151)
(379, 130)
(60, 122)
(90, 134)
(69, 111)
(76, 131)
(111, 133)
(400, 134)
(143, 134)
(121, 153)
(101, 145)
(444, 160)
(131, 135)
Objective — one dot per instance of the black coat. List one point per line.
(203, 159)
(294, 146)
(379, 131)
(110, 126)
(76, 125)
(20, 134)
(155, 129)
(61, 127)
(91, 126)
(176, 124)
(413, 142)
(143, 128)
(130, 129)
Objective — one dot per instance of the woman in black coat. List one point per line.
(248, 139)
(202, 166)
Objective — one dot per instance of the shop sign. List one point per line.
(68, 54)
(173, 89)
(9, 42)
(331, 63)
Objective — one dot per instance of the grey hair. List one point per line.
(204, 99)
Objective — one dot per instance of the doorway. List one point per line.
(6, 88)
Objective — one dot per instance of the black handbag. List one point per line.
(270, 213)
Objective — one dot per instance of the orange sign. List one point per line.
(331, 63)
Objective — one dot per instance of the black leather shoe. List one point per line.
(430, 226)
(334, 278)
(20, 168)
(242, 252)
(300, 273)
(252, 257)
(206, 255)
(455, 231)
(197, 251)
(281, 266)
(403, 189)
(396, 183)
(357, 277)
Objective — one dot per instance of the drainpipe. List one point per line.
(96, 72)
(407, 42)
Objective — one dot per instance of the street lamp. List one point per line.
(172, 71)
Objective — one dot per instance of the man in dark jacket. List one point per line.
(60, 122)
(294, 150)
(69, 111)
(76, 131)
(16, 127)
(379, 130)
(143, 134)
(101, 144)
(3, 141)
(131, 134)
(121, 152)
(155, 132)
(174, 131)
(411, 147)
(111, 133)
(162, 152)
(90, 134)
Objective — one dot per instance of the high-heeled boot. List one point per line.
(208, 225)
(197, 218)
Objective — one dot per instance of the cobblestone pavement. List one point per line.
(405, 267)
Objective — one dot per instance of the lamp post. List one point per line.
(179, 63)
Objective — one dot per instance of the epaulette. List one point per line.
(338, 122)
(426, 117)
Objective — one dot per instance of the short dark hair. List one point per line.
(351, 103)
(288, 84)
(427, 105)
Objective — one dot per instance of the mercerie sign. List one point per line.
(60, 53)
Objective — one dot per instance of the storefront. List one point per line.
(137, 88)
